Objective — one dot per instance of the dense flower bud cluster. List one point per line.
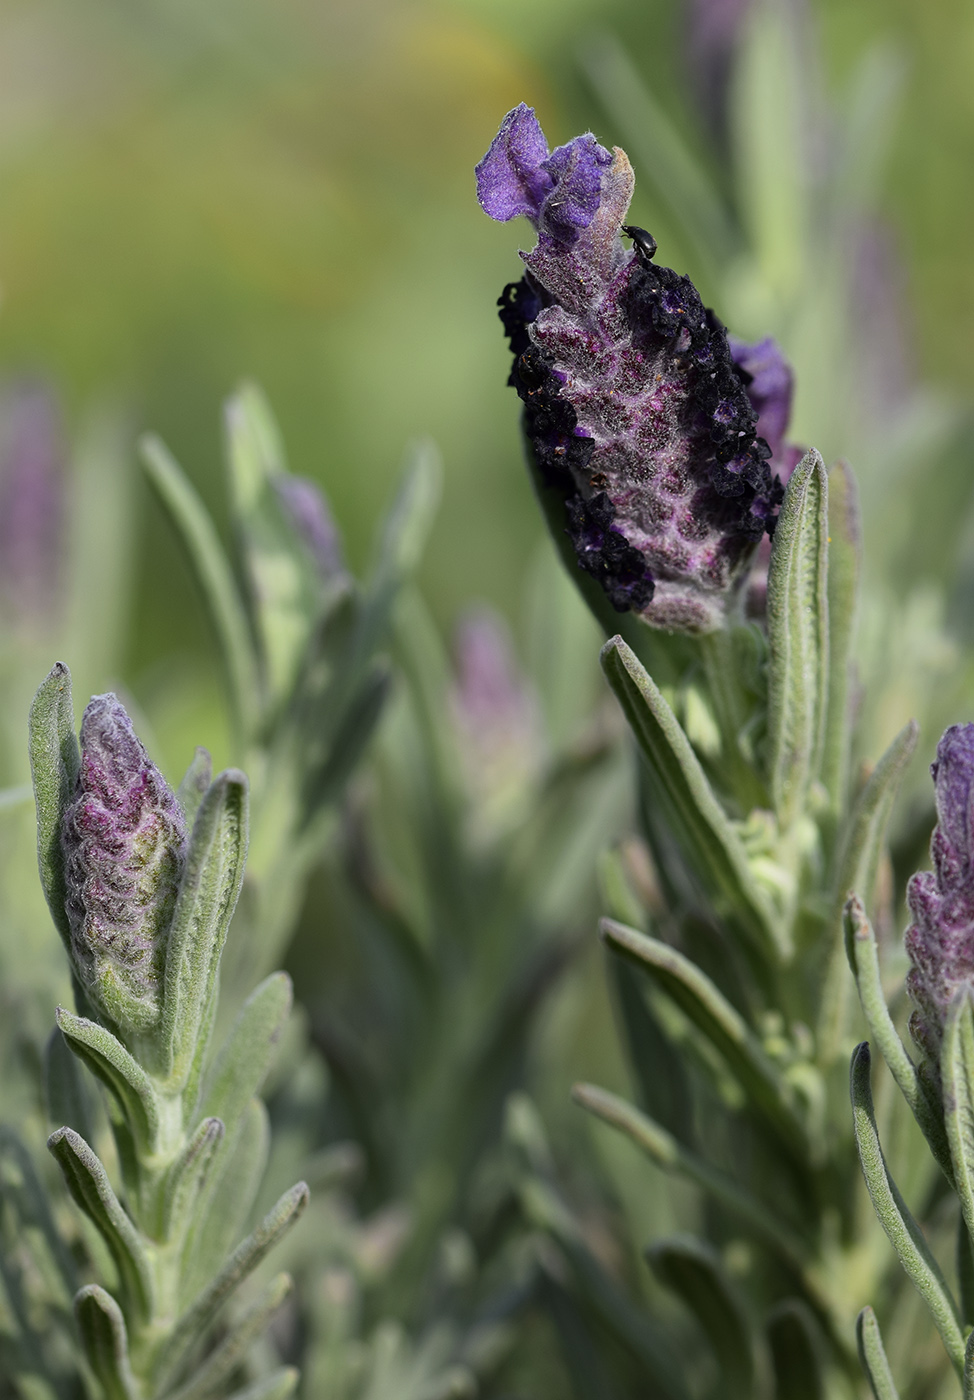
(124, 847)
(636, 410)
(940, 940)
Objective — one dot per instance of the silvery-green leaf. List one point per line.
(120, 1072)
(222, 1361)
(692, 1270)
(103, 1336)
(345, 743)
(659, 1067)
(957, 1071)
(224, 1208)
(284, 584)
(845, 565)
(861, 849)
(707, 840)
(242, 1262)
(248, 1052)
(205, 904)
(88, 1183)
(214, 576)
(195, 785)
(798, 638)
(901, 1229)
(872, 1354)
(27, 1196)
(54, 762)
(795, 1341)
(187, 1176)
(863, 956)
(663, 1149)
(965, 1272)
(697, 997)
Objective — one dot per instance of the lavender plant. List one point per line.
(142, 883)
(641, 422)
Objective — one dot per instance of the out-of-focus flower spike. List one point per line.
(123, 838)
(635, 410)
(307, 511)
(940, 940)
(31, 504)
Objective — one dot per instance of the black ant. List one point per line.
(643, 242)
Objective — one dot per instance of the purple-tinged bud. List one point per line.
(124, 844)
(307, 512)
(635, 411)
(31, 505)
(940, 940)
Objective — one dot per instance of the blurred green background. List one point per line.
(195, 193)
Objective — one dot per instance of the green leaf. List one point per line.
(707, 840)
(207, 898)
(195, 785)
(88, 1183)
(280, 1385)
(957, 1069)
(798, 638)
(663, 1149)
(128, 1082)
(102, 1328)
(54, 763)
(25, 1193)
(285, 587)
(965, 1271)
(872, 1355)
(901, 1229)
(249, 1049)
(968, 1384)
(214, 576)
(224, 1359)
(694, 1273)
(863, 954)
(845, 566)
(242, 1262)
(858, 862)
(403, 539)
(697, 997)
(224, 1208)
(659, 1068)
(796, 1350)
(187, 1177)
(324, 780)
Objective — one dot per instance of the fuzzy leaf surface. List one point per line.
(691, 1270)
(103, 1336)
(54, 763)
(872, 1355)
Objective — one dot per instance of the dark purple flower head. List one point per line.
(635, 411)
(940, 940)
(307, 512)
(124, 847)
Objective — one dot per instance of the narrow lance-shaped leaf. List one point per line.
(795, 1343)
(864, 960)
(872, 1354)
(214, 576)
(858, 862)
(968, 1389)
(88, 1183)
(207, 898)
(798, 637)
(845, 564)
(103, 1336)
(195, 785)
(120, 1072)
(695, 995)
(691, 1270)
(957, 1069)
(187, 1177)
(222, 1361)
(901, 1229)
(247, 1054)
(54, 763)
(708, 842)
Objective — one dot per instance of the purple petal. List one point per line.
(577, 170)
(770, 389)
(511, 178)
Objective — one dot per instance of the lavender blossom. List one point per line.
(635, 411)
(307, 512)
(940, 940)
(123, 839)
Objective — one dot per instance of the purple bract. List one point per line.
(635, 411)
(940, 940)
(124, 847)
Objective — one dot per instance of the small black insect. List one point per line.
(643, 242)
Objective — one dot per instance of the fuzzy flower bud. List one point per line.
(635, 410)
(940, 940)
(124, 843)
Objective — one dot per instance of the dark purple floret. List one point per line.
(307, 511)
(940, 940)
(124, 847)
(635, 411)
